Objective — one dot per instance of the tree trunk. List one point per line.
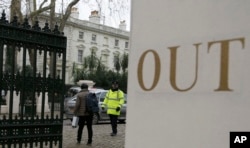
(15, 10)
(52, 25)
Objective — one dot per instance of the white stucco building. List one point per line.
(84, 37)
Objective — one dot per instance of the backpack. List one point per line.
(92, 103)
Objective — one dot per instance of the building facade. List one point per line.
(85, 37)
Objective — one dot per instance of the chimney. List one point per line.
(94, 17)
(74, 12)
(123, 25)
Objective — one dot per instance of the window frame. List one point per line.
(93, 38)
(116, 42)
(126, 44)
(79, 59)
(81, 35)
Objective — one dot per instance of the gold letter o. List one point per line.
(156, 73)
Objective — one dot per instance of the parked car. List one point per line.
(73, 91)
(70, 94)
(102, 114)
(70, 100)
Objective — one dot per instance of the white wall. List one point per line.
(185, 109)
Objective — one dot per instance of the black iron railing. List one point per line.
(24, 54)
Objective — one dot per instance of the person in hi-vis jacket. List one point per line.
(113, 101)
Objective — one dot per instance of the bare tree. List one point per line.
(67, 14)
(34, 12)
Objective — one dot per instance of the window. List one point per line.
(106, 41)
(126, 44)
(104, 59)
(116, 42)
(81, 35)
(93, 37)
(80, 54)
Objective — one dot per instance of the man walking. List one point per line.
(80, 110)
(113, 101)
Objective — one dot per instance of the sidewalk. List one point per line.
(101, 136)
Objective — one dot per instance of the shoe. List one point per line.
(113, 134)
(89, 142)
(78, 142)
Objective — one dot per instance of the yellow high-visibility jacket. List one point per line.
(113, 99)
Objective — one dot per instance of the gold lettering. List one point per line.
(224, 61)
(156, 72)
(173, 52)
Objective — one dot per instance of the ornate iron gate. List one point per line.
(26, 85)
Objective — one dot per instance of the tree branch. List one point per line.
(37, 12)
(67, 14)
(40, 7)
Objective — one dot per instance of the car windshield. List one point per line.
(102, 96)
(73, 91)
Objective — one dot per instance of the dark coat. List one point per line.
(80, 107)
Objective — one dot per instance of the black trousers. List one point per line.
(81, 123)
(113, 120)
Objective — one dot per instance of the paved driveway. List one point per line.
(101, 137)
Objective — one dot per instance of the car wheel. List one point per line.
(95, 118)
